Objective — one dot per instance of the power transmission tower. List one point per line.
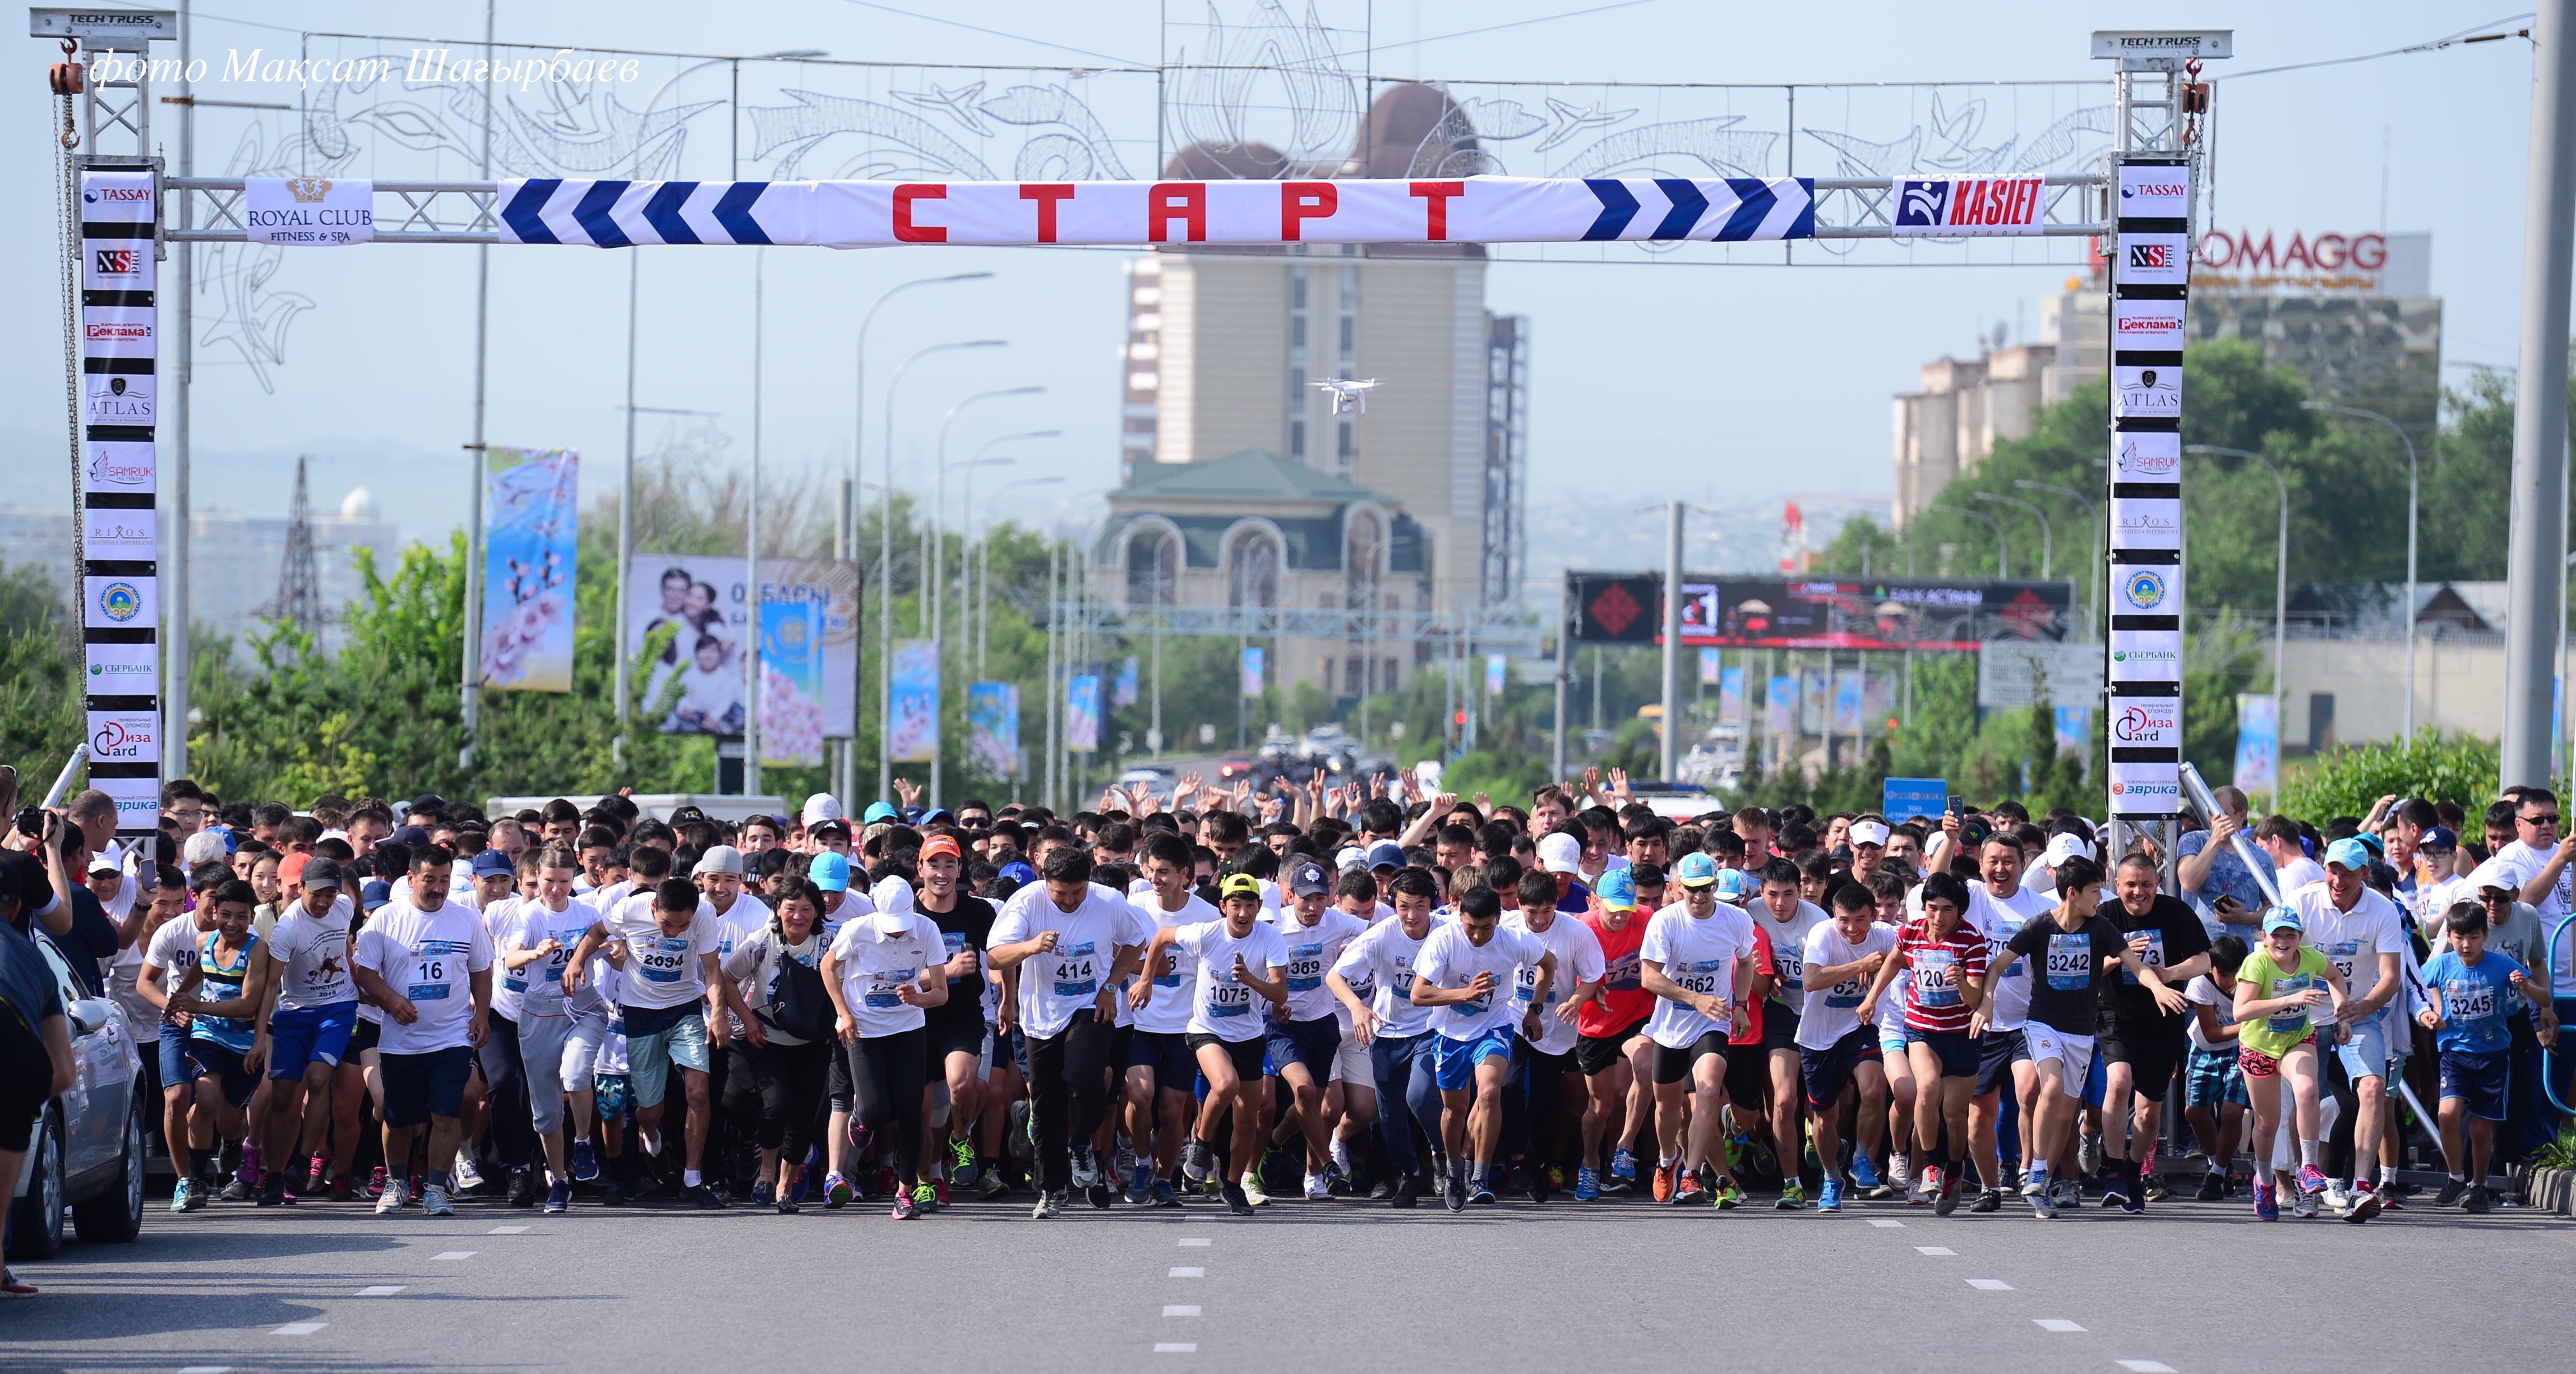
(299, 587)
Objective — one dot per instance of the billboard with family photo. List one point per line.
(688, 623)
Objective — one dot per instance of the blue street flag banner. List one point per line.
(1903, 799)
(1252, 670)
(531, 514)
(2258, 743)
(1847, 718)
(791, 681)
(1497, 672)
(1708, 667)
(1780, 707)
(1730, 695)
(913, 737)
(993, 728)
(876, 214)
(1082, 714)
(2074, 732)
(1122, 692)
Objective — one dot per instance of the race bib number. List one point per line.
(1622, 975)
(1228, 998)
(2292, 1021)
(515, 981)
(2343, 954)
(886, 990)
(1077, 970)
(2154, 958)
(1170, 977)
(1305, 968)
(1701, 975)
(2070, 962)
(1931, 969)
(430, 981)
(1525, 985)
(1792, 967)
(1844, 995)
(2469, 1001)
(666, 961)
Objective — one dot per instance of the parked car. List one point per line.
(88, 1152)
(1236, 764)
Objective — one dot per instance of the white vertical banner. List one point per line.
(119, 522)
(2150, 266)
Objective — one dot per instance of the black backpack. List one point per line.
(798, 1003)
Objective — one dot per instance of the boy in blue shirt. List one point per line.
(2471, 990)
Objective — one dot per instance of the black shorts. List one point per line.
(1675, 1065)
(222, 1063)
(26, 1083)
(1748, 1071)
(364, 1036)
(2151, 1052)
(1168, 1054)
(1310, 1043)
(1997, 1052)
(1120, 1039)
(1779, 1026)
(959, 1035)
(1245, 1053)
(1828, 1071)
(421, 1086)
(1594, 1054)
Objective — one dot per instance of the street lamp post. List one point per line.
(885, 574)
(934, 574)
(2280, 566)
(2092, 517)
(976, 602)
(2414, 482)
(984, 575)
(2046, 540)
(2003, 554)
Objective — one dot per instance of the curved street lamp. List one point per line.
(2414, 482)
(2003, 556)
(2280, 563)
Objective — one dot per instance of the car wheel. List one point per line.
(36, 1220)
(115, 1213)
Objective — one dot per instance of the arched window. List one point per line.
(1252, 570)
(1153, 567)
(1363, 554)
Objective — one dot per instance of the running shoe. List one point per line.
(1124, 1160)
(1099, 1194)
(397, 1195)
(961, 1160)
(1251, 1184)
(703, 1196)
(468, 1177)
(1726, 1196)
(2134, 1201)
(2115, 1190)
(1140, 1187)
(989, 1185)
(1988, 1200)
(2213, 1188)
(376, 1182)
(1925, 1187)
(2032, 1185)
(2041, 1205)
(1864, 1176)
(1198, 1162)
(234, 1190)
(1897, 1166)
(1831, 1199)
(905, 1208)
(1237, 1203)
(585, 1162)
(1480, 1189)
(1453, 1188)
(1587, 1185)
(558, 1196)
(925, 1197)
(1086, 1167)
(787, 1204)
(836, 1190)
(184, 1197)
(2479, 1200)
(1687, 1189)
(2365, 1202)
(1948, 1201)
(434, 1203)
(1793, 1196)
(250, 1170)
(2267, 1201)
(1050, 1205)
(1538, 1183)
(1623, 1173)
(2088, 1155)
(2156, 1190)
(317, 1176)
(1337, 1178)
(1164, 1196)
(1406, 1191)
(2335, 1197)
(1664, 1185)
(2067, 1193)
(2305, 1207)
(2312, 1180)
(1317, 1190)
(763, 1193)
(343, 1188)
(11, 1286)
(2451, 1193)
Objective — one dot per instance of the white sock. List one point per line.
(2308, 1150)
(2387, 1175)
(689, 1178)
(1341, 1154)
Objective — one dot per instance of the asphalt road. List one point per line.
(1345, 1285)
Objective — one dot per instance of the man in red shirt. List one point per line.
(1613, 1051)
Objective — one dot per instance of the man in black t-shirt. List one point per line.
(2141, 1044)
(957, 1033)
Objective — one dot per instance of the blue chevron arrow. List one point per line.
(1618, 206)
(592, 214)
(1753, 204)
(525, 214)
(733, 211)
(1804, 226)
(1688, 206)
(663, 212)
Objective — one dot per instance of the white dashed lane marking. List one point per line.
(1188, 1271)
(1991, 1285)
(380, 1290)
(1934, 1250)
(453, 1255)
(509, 1230)
(298, 1328)
(2133, 1366)
(1176, 1347)
(2055, 1324)
(1189, 1241)
(1883, 1222)
(206, 1369)
(1180, 1309)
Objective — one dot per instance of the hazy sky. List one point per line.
(1735, 383)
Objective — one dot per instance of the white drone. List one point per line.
(1347, 393)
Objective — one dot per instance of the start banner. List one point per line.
(874, 214)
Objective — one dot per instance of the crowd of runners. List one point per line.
(1227, 999)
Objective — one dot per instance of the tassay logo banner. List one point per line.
(116, 198)
(2154, 192)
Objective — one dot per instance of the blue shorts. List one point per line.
(1168, 1054)
(424, 1085)
(309, 1035)
(2210, 1079)
(2479, 1080)
(1454, 1061)
(2096, 1082)
(176, 1072)
(2365, 1054)
(1311, 1043)
(679, 1036)
(1955, 1049)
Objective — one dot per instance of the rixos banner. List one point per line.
(873, 214)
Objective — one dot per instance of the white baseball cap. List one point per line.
(1559, 853)
(1868, 832)
(823, 806)
(2064, 847)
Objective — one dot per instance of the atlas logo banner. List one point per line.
(1965, 207)
(125, 736)
(2146, 391)
(120, 534)
(123, 670)
(120, 603)
(119, 467)
(2153, 260)
(2146, 522)
(2146, 722)
(2154, 192)
(116, 197)
(116, 265)
(117, 400)
(2146, 326)
(2146, 456)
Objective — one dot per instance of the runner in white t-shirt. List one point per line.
(428, 962)
(1840, 961)
(2000, 904)
(2363, 935)
(1070, 941)
(308, 1027)
(1373, 980)
(671, 978)
(559, 1032)
(1306, 1035)
(1788, 920)
(1697, 959)
(1464, 973)
(881, 971)
(1161, 1070)
(1556, 1094)
(1224, 1032)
